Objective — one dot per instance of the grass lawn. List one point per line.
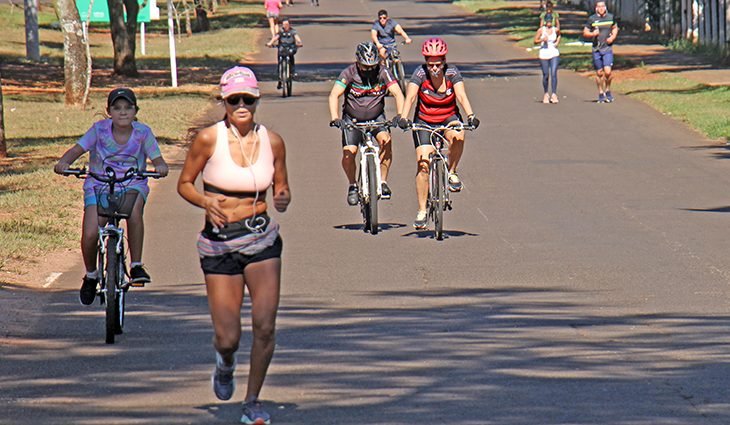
(40, 212)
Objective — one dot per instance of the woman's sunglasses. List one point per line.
(236, 100)
(434, 64)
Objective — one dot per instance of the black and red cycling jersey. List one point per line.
(433, 106)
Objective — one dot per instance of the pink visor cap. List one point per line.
(239, 80)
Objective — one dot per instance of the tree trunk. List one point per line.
(124, 35)
(32, 43)
(3, 146)
(75, 62)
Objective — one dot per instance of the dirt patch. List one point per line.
(37, 274)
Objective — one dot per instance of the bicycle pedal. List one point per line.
(137, 284)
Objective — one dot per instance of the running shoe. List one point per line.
(455, 184)
(352, 196)
(554, 98)
(385, 189)
(546, 98)
(138, 274)
(609, 97)
(223, 383)
(421, 220)
(254, 413)
(87, 293)
(601, 98)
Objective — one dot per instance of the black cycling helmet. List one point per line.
(367, 54)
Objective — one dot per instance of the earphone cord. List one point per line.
(256, 227)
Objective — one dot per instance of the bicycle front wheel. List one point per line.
(372, 205)
(284, 78)
(111, 275)
(289, 76)
(438, 197)
(400, 75)
(121, 296)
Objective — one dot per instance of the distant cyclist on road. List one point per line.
(288, 41)
(383, 33)
(436, 87)
(120, 142)
(602, 29)
(364, 84)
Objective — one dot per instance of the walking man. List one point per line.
(602, 29)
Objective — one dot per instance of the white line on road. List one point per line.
(51, 278)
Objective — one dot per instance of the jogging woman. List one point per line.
(240, 246)
(436, 87)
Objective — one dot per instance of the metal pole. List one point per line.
(141, 38)
(171, 37)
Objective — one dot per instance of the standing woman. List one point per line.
(273, 8)
(239, 246)
(548, 37)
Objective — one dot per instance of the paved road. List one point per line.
(584, 279)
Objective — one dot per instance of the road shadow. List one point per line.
(509, 353)
(383, 227)
(429, 234)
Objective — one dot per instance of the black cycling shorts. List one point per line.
(423, 137)
(353, 137)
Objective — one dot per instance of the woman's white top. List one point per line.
(548, 49)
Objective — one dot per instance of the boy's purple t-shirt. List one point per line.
(104, 151)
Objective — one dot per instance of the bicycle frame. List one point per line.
(111, 256)
(369, 180)
(438, 171)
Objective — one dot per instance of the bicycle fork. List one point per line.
(104, 234)
(370, 150)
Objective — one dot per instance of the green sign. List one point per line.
(100, 10)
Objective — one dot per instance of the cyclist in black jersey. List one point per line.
(288, 41)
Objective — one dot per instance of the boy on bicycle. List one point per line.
(383, 33)
(288, 41)
(119, 142)
(365, 84)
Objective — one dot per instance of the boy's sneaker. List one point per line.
(254, 413)
(87, 293)
(601, 98)
(352, 196)
(223, 383)
(421, 220)
(138, 274)
(385, 189)
(609, 97)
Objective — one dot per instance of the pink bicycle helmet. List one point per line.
(434, 47)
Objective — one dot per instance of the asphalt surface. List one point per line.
(583, 280)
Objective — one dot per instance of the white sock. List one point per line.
(135, 264)
(93, 275)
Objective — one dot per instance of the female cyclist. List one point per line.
(435, 87)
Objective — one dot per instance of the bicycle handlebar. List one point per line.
(457, 126)
(111, 175)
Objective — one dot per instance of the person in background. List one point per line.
(548, 37)
(602, 29)
(273, 9)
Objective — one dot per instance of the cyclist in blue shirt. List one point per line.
(383, 33)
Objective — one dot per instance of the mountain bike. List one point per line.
(285, 68)
(394, 64)
(369, 180)
(438, 173)
(115, 204)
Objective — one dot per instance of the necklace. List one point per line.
(254, 223)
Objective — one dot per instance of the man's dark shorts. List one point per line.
(354, 137)
(602, 59)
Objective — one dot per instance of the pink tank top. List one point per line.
(272, 6)
(223, 173)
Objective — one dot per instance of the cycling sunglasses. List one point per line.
(236, 100)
